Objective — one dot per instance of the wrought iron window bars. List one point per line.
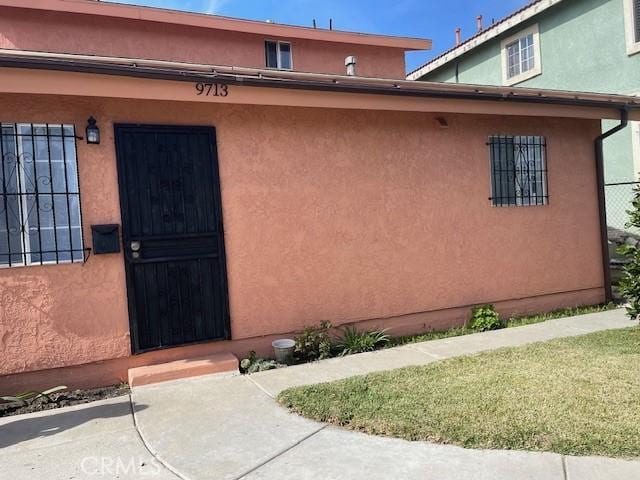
(40, 215)
(518, 170)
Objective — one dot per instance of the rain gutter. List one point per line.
(602, 207)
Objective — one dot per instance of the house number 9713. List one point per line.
(212, 89)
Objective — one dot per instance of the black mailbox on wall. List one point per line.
(106, 239)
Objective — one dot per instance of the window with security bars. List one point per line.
(40, 219)
(518, 170)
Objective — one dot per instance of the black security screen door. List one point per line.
(172, 233)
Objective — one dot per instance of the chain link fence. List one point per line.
(618, 198)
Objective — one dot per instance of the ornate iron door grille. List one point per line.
(173, 235)
(40, 217)
(518, 171)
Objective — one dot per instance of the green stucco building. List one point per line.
(581, 45)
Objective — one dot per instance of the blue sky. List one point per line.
(435, 19)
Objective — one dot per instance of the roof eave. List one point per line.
(164, 70)
(151, 14)
(483, 37)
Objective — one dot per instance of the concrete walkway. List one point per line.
(231, 428)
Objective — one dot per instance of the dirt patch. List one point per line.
(64, 399)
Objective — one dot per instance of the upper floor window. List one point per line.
(632, 25)
(40, 220)
(521, 56)
(518, 170)
(278, 55)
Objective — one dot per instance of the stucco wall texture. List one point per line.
(328, 214)
(89, 35)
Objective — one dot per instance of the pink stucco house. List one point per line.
(176, 185)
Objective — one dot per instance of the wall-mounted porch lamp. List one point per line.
(442, 122)
(93, 132)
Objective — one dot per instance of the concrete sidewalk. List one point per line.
(97, 440)
(231, 428)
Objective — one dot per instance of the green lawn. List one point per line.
(578, 396)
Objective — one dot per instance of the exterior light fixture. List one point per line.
(93, 132)
(442, 122)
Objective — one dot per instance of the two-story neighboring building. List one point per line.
(579, 45)
(180, 187)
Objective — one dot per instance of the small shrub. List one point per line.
(484, 318)
(353, 341)
(253, 364)
(314, 343)
(629, 285)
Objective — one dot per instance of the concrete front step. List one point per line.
(185, 368)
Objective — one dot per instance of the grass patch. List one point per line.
(511, 322)
(565, 312)
(575, 396)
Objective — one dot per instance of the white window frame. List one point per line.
(537, 58)
(23, 206)
(633, 46)
(278, 43)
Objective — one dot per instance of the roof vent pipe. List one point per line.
(479, 23)
(350, 63)
(458, 36)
